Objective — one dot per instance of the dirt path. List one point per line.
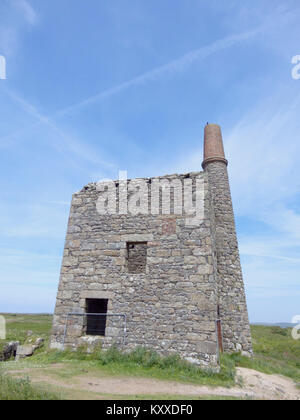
(268, 386)
(255, 385)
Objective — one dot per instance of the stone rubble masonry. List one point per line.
(171, 305)
(231, 294)
(9, 351)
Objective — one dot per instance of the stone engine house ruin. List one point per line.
(156, 278)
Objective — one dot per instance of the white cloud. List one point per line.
(18, 14)
(267, 23)
(173, 66)
(27, 10)
(271, 276)
(27, 260)
(263, 150)
(28, 281)
(26, 298)
(8, 40)
(270, 247)
(35, 220)
(66, 142)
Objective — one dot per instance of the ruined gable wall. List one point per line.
(170, 308)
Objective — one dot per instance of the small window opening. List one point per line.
(137, 257)
(96, 324)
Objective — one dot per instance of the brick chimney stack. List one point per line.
(213, 145)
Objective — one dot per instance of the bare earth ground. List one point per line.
(250, 384)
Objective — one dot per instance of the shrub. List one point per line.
(280, 331)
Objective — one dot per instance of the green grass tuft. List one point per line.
(145, 363)
(21, 389)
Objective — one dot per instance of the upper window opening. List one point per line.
(137, 257)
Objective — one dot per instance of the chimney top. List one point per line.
(213, 145)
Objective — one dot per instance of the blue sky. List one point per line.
(98, 86)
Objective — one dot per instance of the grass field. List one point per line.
(18, 325)
(275, 352)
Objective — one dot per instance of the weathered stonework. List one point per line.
(191, 277)
(231, 294)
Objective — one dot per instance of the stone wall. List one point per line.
(166, 280)
(171, 306)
